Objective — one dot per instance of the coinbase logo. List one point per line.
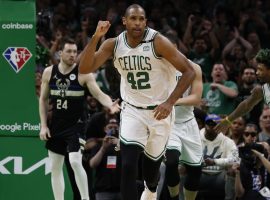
(17, 57)
(17, 26)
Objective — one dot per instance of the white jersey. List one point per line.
(183, 113)
(266, 93)
(146, 79)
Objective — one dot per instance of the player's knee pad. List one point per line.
(75, 159)
(172, 175)
(172, 158)
(192, 181)
(130, 156)
(151, 171)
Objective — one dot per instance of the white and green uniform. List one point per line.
(146, 81)
(185, 136)
(266, 93)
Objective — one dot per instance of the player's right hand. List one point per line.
(44, 133)
(162, 111)
(102, 28)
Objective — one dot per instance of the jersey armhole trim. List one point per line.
(115, 47)
(153, 47)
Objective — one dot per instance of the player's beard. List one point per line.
(69, 62)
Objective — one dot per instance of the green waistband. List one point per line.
(144, 108)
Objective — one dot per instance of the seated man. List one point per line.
(219, 152)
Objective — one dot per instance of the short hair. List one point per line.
(135, 6)
(220, 63)
(253, 125)
(247, 67)
(66, 40)
(263, 56)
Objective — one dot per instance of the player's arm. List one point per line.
(243, 108)
(90, 59)
(194, 98)
(165, 49)
(248, 104)
(103, 98)
(43, 103)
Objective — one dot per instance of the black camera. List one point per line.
(247, 156)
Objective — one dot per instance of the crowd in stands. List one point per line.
(222, 36)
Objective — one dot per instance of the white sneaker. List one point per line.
(148, 195)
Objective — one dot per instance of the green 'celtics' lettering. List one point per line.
(142, 81)
(135, 62)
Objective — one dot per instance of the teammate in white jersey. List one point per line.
(146, 61)
(184, 143)
(257, 94)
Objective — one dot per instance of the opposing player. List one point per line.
(257, 94)
(184, 143)
(146, 61)
(64, 87)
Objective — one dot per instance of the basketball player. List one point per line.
(146, 61)
(65, 88)
(185, 141)
(257, 94)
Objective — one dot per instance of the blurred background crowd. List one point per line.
(222, 36)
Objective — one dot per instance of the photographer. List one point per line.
(252, 179)
(107, 163)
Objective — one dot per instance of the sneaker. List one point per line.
(148, 195)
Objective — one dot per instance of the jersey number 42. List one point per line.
(138, 80)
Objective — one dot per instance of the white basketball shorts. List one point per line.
(186, 138)
(139, 127)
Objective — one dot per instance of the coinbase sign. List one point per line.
(16, 26)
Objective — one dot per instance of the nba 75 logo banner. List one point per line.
(17, 57)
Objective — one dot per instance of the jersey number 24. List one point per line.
(61, 104)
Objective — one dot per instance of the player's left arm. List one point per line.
(44, 104)
(165, 49)
(94, 89)
(194, 98)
